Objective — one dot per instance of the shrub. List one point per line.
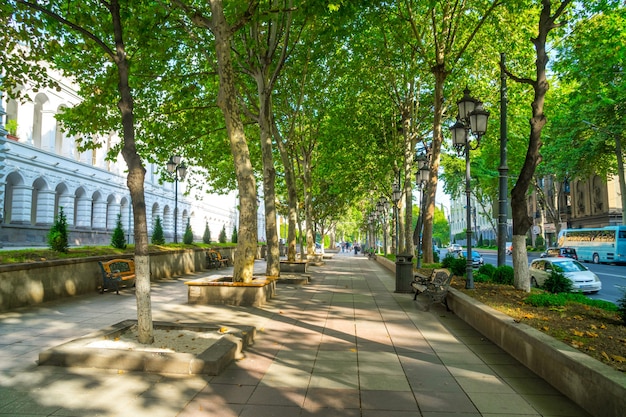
(447, 261)
(206, 237)
(480, 277)
(234, 236)
(504, 275)
(188, 236)
(455, 265)
(435, 257)
(557, 283)
(540, 243)
(487, 269)
(157, 234)
(222, 238)
(57, 236)
(118, 240)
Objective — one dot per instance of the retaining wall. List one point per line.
(29, 284)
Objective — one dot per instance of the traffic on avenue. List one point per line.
(613, 277)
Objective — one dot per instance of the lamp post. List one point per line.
(383, 207)
(178, 169)
(472, 119)
(395, 196)
(421, 179)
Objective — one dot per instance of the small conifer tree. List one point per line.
(222, 238)
(118, 240)
(57, 236)
(234, 237)
(157, 235)
(206, 237)
(188, 236)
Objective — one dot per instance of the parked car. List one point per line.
(559, 253)
(454, 248)
(582, 278)
(509, 248)
(477, 259)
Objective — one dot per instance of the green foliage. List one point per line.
(206, 237)
(504, 275)
(157, 234)
(11, 127)
(547, 299)
(58, 235)
(435, 256)
(222, 238)
(487, 269)
(233, 238)
(540, 243)
(557, 283)
(480, 277)
(456, 265)
(188, 236)
(118, 240)
(621, 307)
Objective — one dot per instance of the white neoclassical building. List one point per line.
(42, 171)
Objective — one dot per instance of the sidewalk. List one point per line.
(344, 345)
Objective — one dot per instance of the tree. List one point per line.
(93, 45)
(188, 236)
(118, 240)
(548, 20)
(222, 238)
(206, 237)
(58, 236)
(157, 234)
(222, 32)
(234, 238)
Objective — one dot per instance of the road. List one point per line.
(613, 277)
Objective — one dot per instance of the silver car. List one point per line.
(582, 278)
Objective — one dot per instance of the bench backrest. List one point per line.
(124, 266)
(442, 277)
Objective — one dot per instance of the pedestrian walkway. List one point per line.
(344, 345)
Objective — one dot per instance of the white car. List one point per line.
(582, 278)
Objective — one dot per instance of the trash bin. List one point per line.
(404, 273)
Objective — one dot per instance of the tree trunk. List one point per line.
(227, 101)
(409, 247)
(135, 181)
(292, 195)
(519, 209)
(435, 152)
(269, 174)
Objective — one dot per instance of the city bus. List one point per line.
(597, 245)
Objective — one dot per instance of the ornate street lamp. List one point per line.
(472, 119)
(421, 179)
(179, 170)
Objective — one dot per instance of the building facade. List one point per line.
(42, 171)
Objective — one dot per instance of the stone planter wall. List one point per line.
(594, 386)
(34, 283)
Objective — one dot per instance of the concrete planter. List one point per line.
(212, 361)
(222, 291)
(294, 266)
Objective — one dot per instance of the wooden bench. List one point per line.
(116, 272)
(214, 259)
(435, 286)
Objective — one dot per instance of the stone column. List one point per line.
(45, 207)
(112, 211)
(21, 204)
(99, 215)
(67, 202)
(83, 212)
